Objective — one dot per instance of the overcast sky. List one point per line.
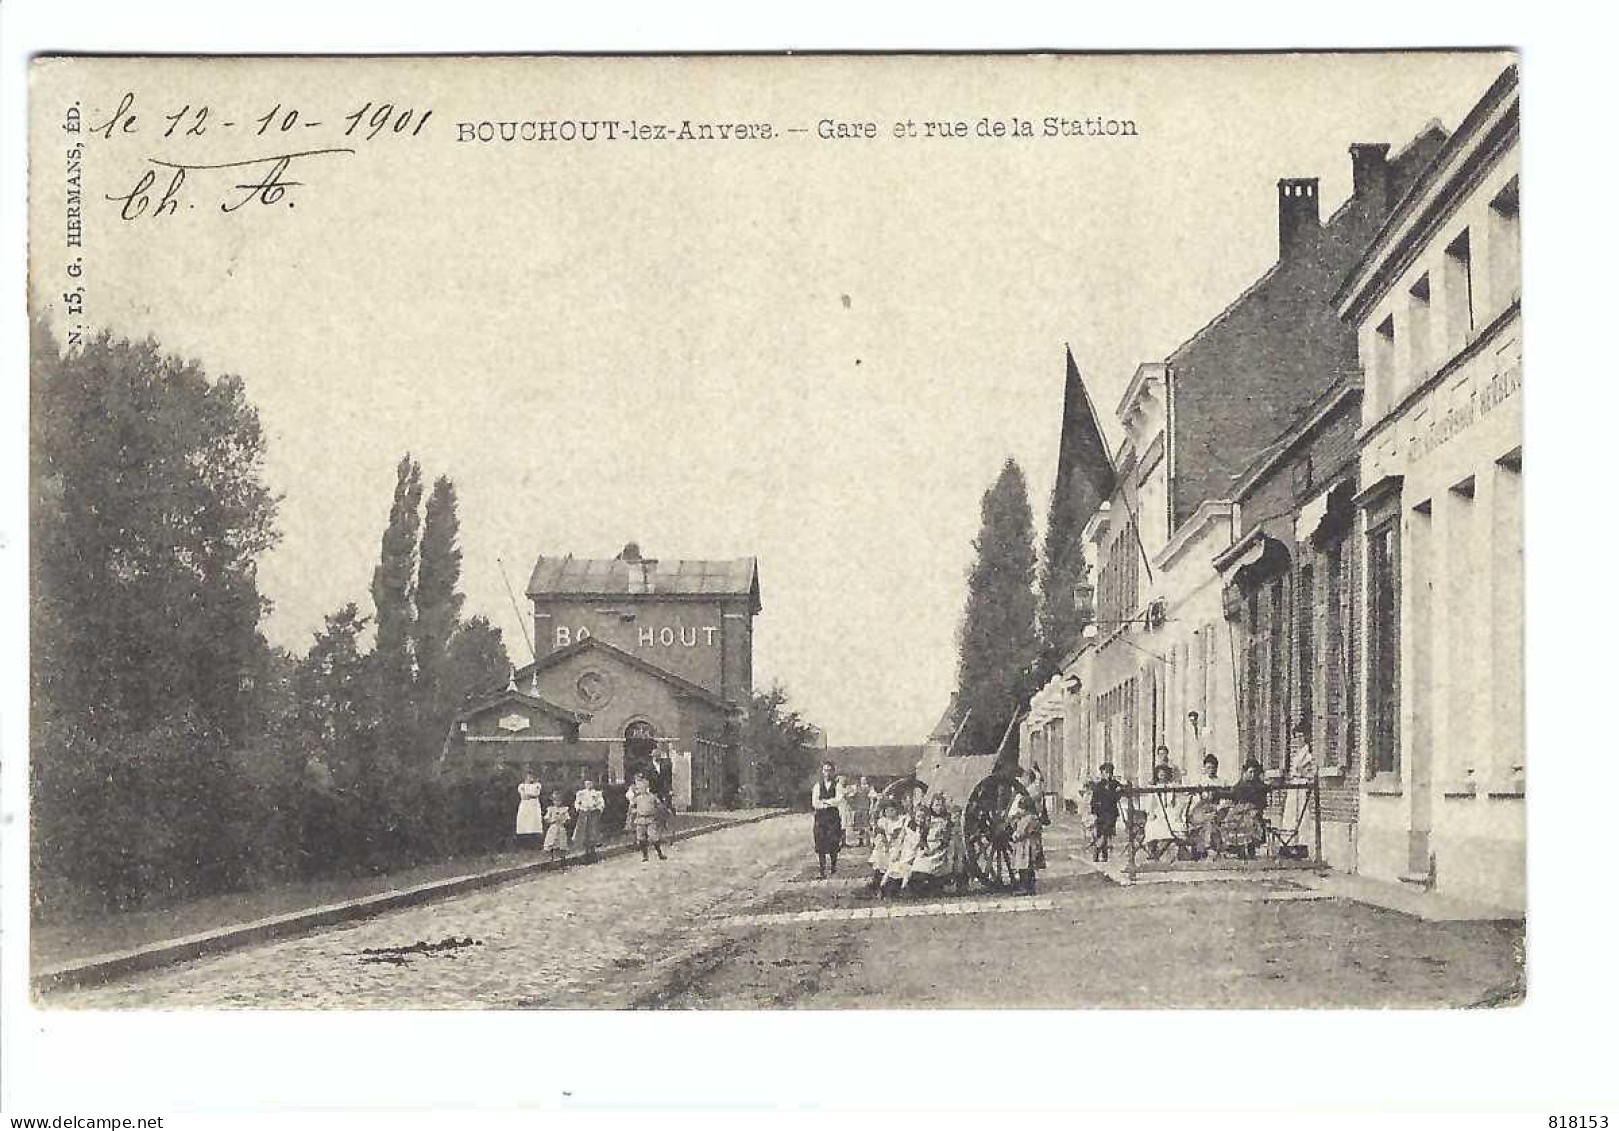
(814, 352)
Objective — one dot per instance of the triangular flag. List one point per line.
(1085, 475)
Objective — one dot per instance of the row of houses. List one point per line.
(1311, 535)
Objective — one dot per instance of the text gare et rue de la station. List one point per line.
(825, 129)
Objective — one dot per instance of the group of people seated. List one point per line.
(1217, 817)
(922, 850)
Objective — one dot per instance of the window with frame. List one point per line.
(1504, 244)
(1306, 665)
(1252, 671)
(1383, 648)
(1276, 698)
(1460, 317)
(1325, 739)
(1416, 329)
(1383, 365)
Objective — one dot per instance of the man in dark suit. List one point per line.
(662, 779)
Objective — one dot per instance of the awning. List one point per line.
(1256, 557)
(1250, 557)
(1310, 517)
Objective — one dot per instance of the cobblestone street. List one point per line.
(587, 936)
(739, 919)
(1262, 941)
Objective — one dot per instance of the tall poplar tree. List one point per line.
(438, 611)
(1065, 603)
(393, 591)
(998, 646)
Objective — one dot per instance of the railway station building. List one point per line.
(639, 664)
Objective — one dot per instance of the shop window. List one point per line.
(1252, 673)
(1383, 648)
(1325, 740)
(1305, 667)
(1276, 692)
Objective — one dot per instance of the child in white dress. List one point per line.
(556, 826)
(885, 833)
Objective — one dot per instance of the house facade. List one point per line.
(1435, 304)
(1291, 601)
(1162, 647)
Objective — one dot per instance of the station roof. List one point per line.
(568, 576)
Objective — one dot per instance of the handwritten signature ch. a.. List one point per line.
(269, 188)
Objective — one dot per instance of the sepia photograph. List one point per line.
(832, 532)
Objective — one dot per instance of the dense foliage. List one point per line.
(783, 747)
(174, 751)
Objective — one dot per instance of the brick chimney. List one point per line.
(1370, 161)
(1298, 214)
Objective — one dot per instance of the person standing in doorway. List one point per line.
(828, 831)
(662, 778)
(1193, 755)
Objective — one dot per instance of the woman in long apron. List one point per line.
(828, 832)
(530, 821)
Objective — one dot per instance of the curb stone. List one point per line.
(117, 964)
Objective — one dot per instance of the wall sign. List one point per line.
(513, 723)
(667, 636)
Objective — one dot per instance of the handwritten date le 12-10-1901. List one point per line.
(160, 187)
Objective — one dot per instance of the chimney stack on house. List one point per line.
(1298, 214)
(1370, 161)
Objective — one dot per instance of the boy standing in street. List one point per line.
(644, 820)
(1105, 794)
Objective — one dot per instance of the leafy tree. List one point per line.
(782, 746)
(997, 645)
(149, 513)
(476, 663)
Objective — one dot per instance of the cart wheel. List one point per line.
(988, 832)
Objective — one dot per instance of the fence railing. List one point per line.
(1193, 824)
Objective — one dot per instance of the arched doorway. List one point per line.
(640, 740)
